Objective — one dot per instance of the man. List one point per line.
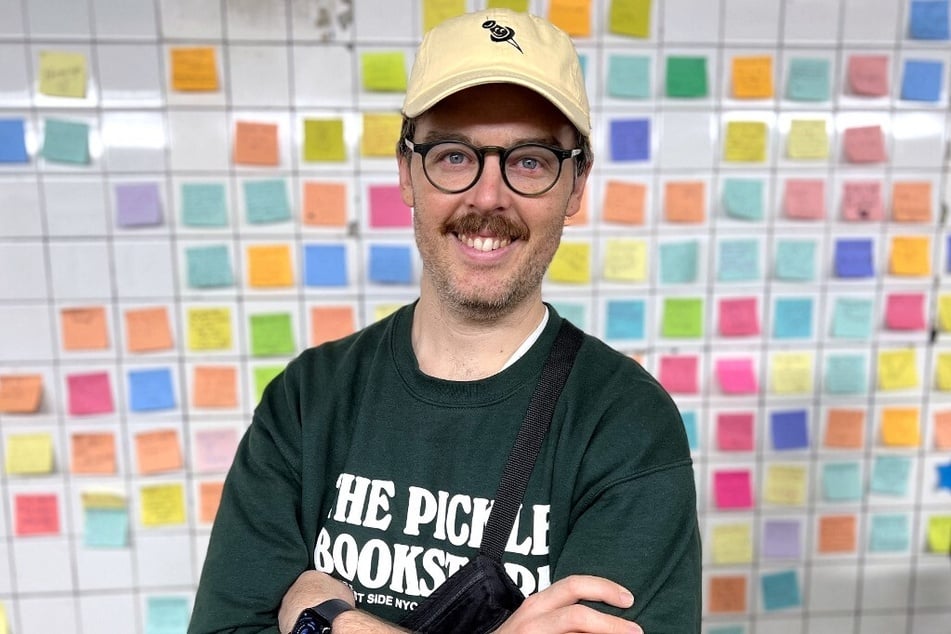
(367, 474)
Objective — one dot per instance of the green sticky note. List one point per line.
(384, 71)
(629, 77)
(808, 79)
(514, 5)
(264, 374)
(323, 140)
(271, 334)
(266, 201)
(631, 17)
(204, 205)
(683, 317)
(66, 142)
(686, 77)
(743, 198)
(209, 266)
(166, 615)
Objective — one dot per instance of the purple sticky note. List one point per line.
(387, 209)
(630, 140)
(89, 394)
(790, 430)
(138, 205)
(781, 539)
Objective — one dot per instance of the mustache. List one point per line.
(471, 224)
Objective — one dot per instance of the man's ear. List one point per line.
(404, 160)
(576, 197)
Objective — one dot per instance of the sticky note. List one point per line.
(93, 453)
(890, 475)
(944, 475)
(162, 504)
(214, 448)
(732, 489)
(796, 260)
(571, 264)
(682, 317)
(138, 205)
(575, 312)
(328, 323)
(383, 71)
(209, 266)
(808, 79)
(514, 5)
(735, 431)
(29, 454)
(864, 144)
(66, 142)
(792, 318)
(789, 429)
(625, 319)
(785, 484)
(781, 539)
(889, 533)
(942, 430)
(910, 256)
(852, 318)
(846, 374)
(862, 200)
(853, 258)
(630, 18)
(89, 393)
(732, 544)
(387, 209)
(678, 373)
(35, 514)
(381, 131)
(13, 143)
(625, 260)
(263, 375)
(745, 142)
(62, 74)
(325, 265)
(324, 140)
(204, 205)
(727, 594)
(901, 427)
(574, 16)
(272, 334)
(804, 199)
(921, 80)
(158, 451)
(905, 311)
(151, 390)
(837, 534)
(84, 328)
(752, 77)
(324, 204)
(209, 498)
(943, 372)
(791, 373)
(738, 260)
(269, 266)
(738, 317)
(20, 393)
(148, 329)
(623, 202)
(743, 198)
(736, 376)
(685, 201)
(868, 75)
(209, 328)
(629, 76)
(679, 262)
(841, 482)
(390, 264)
(690, 428)
(166, 615)
(686, 77)
(929, 20)
(214, 386)
(630, 139)
(897, 370)
(808, 139)
(911, 201)
(194, 69)
(266, 201)
(105, 527)
(437, 11)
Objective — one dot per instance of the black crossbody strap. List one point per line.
(531, 434)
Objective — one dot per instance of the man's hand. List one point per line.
(311, 588)
(555, 610)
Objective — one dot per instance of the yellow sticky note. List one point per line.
(745, 141)
(4, 623)
(102, 500)
(381, 131)
(162, 504)
(209, 329)
(785, 485)
(630, 17)
(323, 140)
(732, 544)
(514, 5)
(437, 11)
(901, 426)
(753, 77)
(791, 373)
(194, 69)
(808, 139)
(571, 16)
(63, 74)
(269, 266)
(29, 454)
(571, 264)
(897, 370)
(910, 256)
(625, 260)
(939, 534)
(944, 312)
(383, 71)
(384, 310)
(943, 372)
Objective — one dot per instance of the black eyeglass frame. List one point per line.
(480, 151)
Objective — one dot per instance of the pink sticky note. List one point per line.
(89, 394)
(865, 144)
(862, 200)
(678, 374)
(387, 208)
(36, 514)
(733, 489)
(214, 448)
(736, 376)
(905, 311)
(805, 199)
(738, 317)
(868, 75)
(735, 432)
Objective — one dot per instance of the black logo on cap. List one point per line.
(500, 33)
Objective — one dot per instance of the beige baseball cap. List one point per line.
(498, 46)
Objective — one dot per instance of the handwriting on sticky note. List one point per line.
(753, 77)
(29, 454)
(685, 201)
(911, 201)
(324, 140)
(20, 393)
(625, 260)
(808, 139)
(269, 266)
(194, 69)
(745, 141)
(93, 453)
(148, 329)
(209, 328)
(862, 200)
(624, 202)
(62, 74)
(571, 264)
(162, 505)
(215, 386)
(380, 134)
(36, 514)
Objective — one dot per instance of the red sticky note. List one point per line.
(738, 317)
(387, 208)
(678, 374)
(905, 311)
(735, 431)
(804, 199)
(862, 200)
(36, 514)
(736, 376)
(733, 489)
(868, 75)
(89, 394)
(865, 144)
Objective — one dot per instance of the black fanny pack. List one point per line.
(480, 596)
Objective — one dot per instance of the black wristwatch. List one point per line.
(319, 619)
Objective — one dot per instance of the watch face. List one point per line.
(310, 622)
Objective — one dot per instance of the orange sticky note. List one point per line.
(148, 329)
(910, 256)
(911, 201)
(727, 594)
(36, 514)
(845, 429)
(209, 497)
(837, 534)
(269, 265)
(753, 77)
(325, 204)
(215, 386)
(684, 201)
(194, 69)
(20, 393)
(571, 16)
(328, 323)
(84, 328)
(624, 202)
(255, 143)
(901, 427)
(93, 453)
(158, 451)
(942, 430)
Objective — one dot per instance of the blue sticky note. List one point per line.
(690, 427)
(846, 374)
(841, 482)
(743, 198)
(166, 615)
(792, 318)
(889, 533)
(852, 318)
(204, 205)
(151, 390)
(808, 79)
(573, 312)
(138, 205)
(679, 262)
(13, 141)
(630, 139)
(266, 201)
(391, 264)
(781, 539)
(738, 261)
(325, 265)
(796, 260)
(853, 258)
(106, 528)
(625, 319)
(944, 476)
(209, 267)
(629, 76)
(789, 429)
(66, 141)
(929, 20)
(921, 80)
(890, 475)
(780, 590)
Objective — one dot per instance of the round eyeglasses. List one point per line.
(529, 169)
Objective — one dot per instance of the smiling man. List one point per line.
(367, 476)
